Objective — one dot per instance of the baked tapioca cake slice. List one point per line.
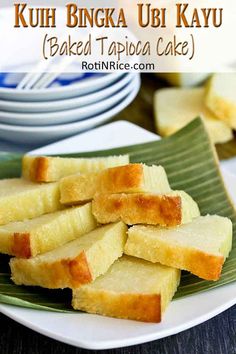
(132, 178)
(75, 263)
(28, 238)
(221, 97)
(50, 169)
(200, 247)
(132, 288)
(174, 108)
(21, 199)
(170, 209)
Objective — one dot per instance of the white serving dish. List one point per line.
(70, 115)
(70, 103)
(41, 135)
(56, 93)
(97, 332)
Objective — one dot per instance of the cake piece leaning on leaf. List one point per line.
(31, 237)
(132, 178)
(132, 289)
(21, 199)
(175, 108)
(199, 247)
(221, 97)
(50, 169)
(75, 263)
(170, 209)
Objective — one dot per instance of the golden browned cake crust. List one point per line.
(39, 169)
(73, 273)
(75, 263)
(131, 288)
(132, 178)
(138, 209)
(121, 178)
(199, 247)
(206, 266)
(39, 235)
(21, 245)
(138, 307)
(79, 270)
(51, 168)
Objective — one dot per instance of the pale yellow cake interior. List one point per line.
(130, 275)
(154, 180)
(221, 97)
(211, 234)
(83, 187)
(190, 209)
(21, 199)
(51, 230)
(71, 249)
(101, 247)
(175, 108)
(59, 167)
(224, 86)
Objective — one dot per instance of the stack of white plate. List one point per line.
(73, 103)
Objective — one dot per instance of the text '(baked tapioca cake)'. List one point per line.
(21, 199)
(132, 289)
(221, 97)
(200, 247)
(31, 237)
(132, 178)
(50, 169)
(175, 108)
(170, 209)
(75, 263)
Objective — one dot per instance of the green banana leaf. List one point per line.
(191, 164)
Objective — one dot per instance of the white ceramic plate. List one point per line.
(68, 116)
(97, 332)
(71, 103)
(39, 135)
(56, 93)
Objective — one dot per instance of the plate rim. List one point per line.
(118, 343)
